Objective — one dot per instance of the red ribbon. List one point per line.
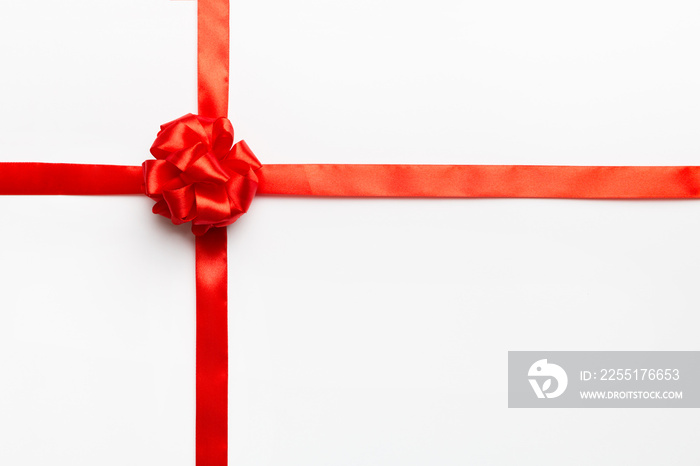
(212, 348)
(213, 57)
(211, 256)
(69, 179)
(191, 180)
(425, 181)
(483, 181)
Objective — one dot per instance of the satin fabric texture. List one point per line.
(425, 181)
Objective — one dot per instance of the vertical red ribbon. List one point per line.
(212, 349)
(212, 261)
(213, 57)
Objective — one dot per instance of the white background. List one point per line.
(363, 332)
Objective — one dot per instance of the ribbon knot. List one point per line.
(199, 175)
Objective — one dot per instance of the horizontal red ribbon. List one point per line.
(67, 178)
(483, 181)
(517, 181)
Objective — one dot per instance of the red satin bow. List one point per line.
(198, 177)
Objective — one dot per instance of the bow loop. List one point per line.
(199, 175)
